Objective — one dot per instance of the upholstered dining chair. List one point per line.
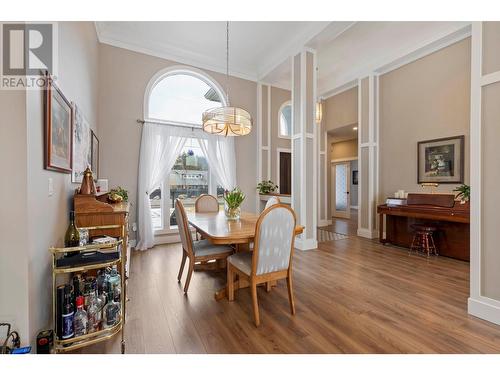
(205, 203)
(272, 201)
(195, 251)
(271, 258)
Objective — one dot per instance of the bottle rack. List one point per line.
(74, 343)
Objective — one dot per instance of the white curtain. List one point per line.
(220, 154)
(160, 146)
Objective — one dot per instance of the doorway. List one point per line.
(341, 202)
(284, 180)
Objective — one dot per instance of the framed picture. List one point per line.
(58, 130)
(82, 143)
(441, 160)
(94, 165)
(354, 177)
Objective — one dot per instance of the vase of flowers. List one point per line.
(463, 193)
(232, 203)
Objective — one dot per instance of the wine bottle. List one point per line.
(72, 236)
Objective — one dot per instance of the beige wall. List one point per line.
(278, 97)
(342, 109)
(426, 99)
(123, 77)
(48, 216)
(14, 304)
(345, 149)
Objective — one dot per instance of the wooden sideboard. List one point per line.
(452, 222)
(93, 211)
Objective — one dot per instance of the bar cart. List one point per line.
(110, 254)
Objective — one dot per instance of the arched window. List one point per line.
(285, 120)
(180, 95)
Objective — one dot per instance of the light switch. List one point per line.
(51, 187)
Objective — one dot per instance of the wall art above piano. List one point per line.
(441, 160)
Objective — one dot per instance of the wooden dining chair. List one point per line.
(205, 203)
(271, 258)
(195, 251)
(272, 201)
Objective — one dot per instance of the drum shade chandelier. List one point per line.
(227, 121)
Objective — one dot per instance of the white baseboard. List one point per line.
(307, 244)
(354, 207)
(367, 233)
(132, 243)
(323, 223)
(484, 308)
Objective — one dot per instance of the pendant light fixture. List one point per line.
(226, 120)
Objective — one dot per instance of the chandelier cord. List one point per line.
(227, 62)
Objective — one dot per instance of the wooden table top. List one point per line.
(219, 230)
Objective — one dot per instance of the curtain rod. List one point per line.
(142, 122)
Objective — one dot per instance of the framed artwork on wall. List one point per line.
(441, 160)
(94, 165)
(354, 177)
(58, 123)
(82, 143)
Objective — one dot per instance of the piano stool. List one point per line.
(423, 240)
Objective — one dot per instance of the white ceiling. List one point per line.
(261, 50)
(255, 47)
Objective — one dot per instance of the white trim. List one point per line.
(368, 144)
(278, 151)
(484, 308)
(269, 131)
(180, 69)
(306, 244)
(310, 135)
(354, 207)
(339, 90)
(340, 160)
(179, 57)
(288, 102)
(315, 165)
(488, 79)
(265, 148)
(475, 163)
(360, 167)
(371, 150)
(324, 222)
(259, 140)
(367, 233)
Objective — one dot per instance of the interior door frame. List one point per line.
(335, 213)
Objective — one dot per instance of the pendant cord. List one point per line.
(227, 62)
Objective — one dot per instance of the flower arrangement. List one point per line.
(463, 193)
(117, 195)
(233, 200)
(266, 187)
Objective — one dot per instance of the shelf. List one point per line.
(92, 247)
(88, 339)
(87, 267)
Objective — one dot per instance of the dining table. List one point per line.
(219, 230)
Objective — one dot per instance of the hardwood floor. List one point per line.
(352, 296)
(348, 227)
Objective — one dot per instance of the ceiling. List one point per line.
(255, 47)
(345, 133)
(261, 51)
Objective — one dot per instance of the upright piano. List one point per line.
(450, 217)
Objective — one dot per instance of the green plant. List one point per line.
(463, 192)
(234, 198)
(266, 187)
(119, 191)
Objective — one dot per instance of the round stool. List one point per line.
(422, 239)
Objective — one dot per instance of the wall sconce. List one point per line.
(319, 112)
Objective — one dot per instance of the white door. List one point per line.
(341, 203)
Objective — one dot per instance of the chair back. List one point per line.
(272, 201)
(274, 240)
(206, 203)
(182, 224)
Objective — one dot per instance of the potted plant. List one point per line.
(463, 193)
(233, 200)
(266, 187)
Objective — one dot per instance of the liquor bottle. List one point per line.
(115, 282)
(77, 288)
(100, 302)
(93, 314)
(111, 311)
(68, 314)
(81, 319)
(72, 236)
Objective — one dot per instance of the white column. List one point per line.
(304, 147)
(368, 156)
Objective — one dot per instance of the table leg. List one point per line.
(381, 229)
